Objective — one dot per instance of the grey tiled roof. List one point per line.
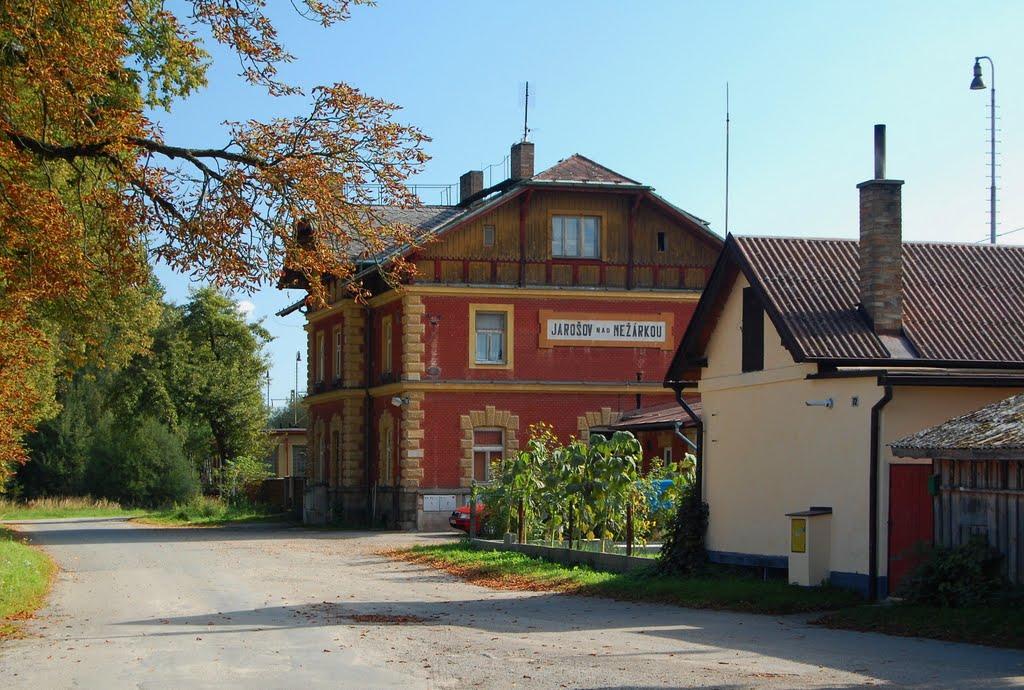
(423, 218)
(999, 426)
(961, 302)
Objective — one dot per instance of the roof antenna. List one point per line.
(526, 113)
(726, 158)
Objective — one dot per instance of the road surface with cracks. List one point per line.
(277, 607)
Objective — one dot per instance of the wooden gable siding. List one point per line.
(459, 256)
(983, 499)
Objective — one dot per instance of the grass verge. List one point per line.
(205, 511)
(63, 507)
(997, 627)
(25, 577)
(720, 589)
(725, 589)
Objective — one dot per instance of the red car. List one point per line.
(459, 519)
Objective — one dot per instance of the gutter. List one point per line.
(367, 421)
(876, 416)
(699, 449)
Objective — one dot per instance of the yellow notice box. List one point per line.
(798, 535)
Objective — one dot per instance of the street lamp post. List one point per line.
(295, 405)
(976, 85)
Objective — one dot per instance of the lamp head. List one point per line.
(977, 84)
(398, 401)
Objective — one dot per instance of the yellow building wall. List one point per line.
(767, 453)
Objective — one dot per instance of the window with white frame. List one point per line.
(490, 337)
(488, 447)
(666, 456)
(488, 235)
(576, 237)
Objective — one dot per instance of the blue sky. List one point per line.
(640, 87)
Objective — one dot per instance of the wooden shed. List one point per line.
(978, 478)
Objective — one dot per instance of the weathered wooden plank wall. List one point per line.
(983, 498)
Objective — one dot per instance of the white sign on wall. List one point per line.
(606, 330)
(438, 504)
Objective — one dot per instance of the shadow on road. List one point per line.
(103, 531)
(659, 630)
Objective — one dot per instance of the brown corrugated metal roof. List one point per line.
(577, 168)
(962, 303)
(659, 416)
(999, 426)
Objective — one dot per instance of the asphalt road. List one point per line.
(275, 607)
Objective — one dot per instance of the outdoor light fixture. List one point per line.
(820, 403)
(398, 401)
(977, 85)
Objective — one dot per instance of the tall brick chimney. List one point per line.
(470, 183)
(521, 161)
(881, 246)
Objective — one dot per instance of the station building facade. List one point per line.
(553, 297)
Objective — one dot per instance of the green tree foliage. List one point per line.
(291, 416)
(60, 447)
(199, 381)
(140, 463)
(217, 373)
(90, 188)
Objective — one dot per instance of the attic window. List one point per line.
(488, 235)
(661, 240)
(753, 332)
(576, 237)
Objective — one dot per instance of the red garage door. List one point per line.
(910, 518)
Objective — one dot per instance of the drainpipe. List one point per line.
(699, 449)
(876, 417)
(367, 417)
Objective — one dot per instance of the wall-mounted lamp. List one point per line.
(820, 403)
(399, 401)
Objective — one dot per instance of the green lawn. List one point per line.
(67, 507)
(728, 590)
(25, 576)
(997, 627)
(720, 589)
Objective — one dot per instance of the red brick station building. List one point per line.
(553, 297)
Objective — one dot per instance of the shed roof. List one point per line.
(657, 417)
(994, 431)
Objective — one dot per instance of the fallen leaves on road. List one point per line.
(484, 577)
(387, 618)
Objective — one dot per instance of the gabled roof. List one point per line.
(963, 305)
(995, 431)
(577, 168)
(577, 172)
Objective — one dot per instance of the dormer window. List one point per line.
(576, 237)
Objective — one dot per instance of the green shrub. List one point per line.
(683, 552)
(141, 465)
(964, 576)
